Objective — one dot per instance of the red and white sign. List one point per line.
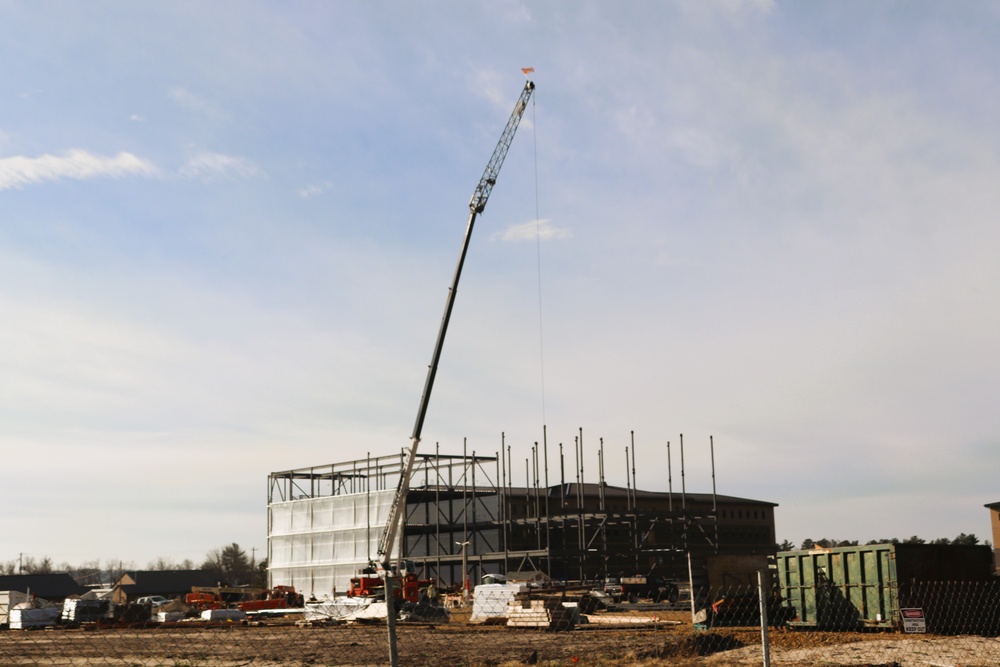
(913, 620)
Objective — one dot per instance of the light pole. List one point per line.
(465, 571)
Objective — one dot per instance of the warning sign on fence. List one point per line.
(913, 620)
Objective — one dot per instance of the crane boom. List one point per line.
(476, 206)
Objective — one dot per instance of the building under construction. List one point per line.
(325, 522)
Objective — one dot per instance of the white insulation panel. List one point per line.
(318, 544)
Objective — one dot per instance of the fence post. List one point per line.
(694, 616)
(763, 619)
(390, 619)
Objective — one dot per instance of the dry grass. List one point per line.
(450, 644)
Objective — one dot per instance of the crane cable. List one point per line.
(538, 250)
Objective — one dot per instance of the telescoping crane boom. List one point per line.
(476, 206)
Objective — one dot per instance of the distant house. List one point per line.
(55, 586)
(168, 583)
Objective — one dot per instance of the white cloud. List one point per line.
(765, 6)
(528, 231)
(701, 149)
(191, 102)
(207, 166)
(728, 9)
(490, 84)
(314, 190)
(514, 12)
(17, 172)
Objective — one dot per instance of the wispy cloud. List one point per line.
(208, 166)
(314, 190)
(728, 9)
(185, 99)
(528, 231)
(489, 83)
(17, 172)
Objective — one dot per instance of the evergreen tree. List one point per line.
(230, 564)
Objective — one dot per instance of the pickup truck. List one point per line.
(648, 587)
(613, 588)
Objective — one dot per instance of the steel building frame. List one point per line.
(572, 530)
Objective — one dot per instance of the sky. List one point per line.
(227, 231)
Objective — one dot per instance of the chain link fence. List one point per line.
(919, 624)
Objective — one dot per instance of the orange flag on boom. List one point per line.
(527, 70)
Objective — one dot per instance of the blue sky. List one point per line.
(227, 231)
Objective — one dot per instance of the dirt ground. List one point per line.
(647, 644)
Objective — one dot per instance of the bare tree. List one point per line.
(31, 566)
(161, 564)
(86, 573)
(115, 568)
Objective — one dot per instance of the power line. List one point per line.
(538, 250)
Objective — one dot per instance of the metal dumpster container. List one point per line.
(848, 588)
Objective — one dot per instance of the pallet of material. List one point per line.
(539, 614)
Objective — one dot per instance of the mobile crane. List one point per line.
(476, 206)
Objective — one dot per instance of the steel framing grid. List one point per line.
(370, 474)
(570, 531)
(335, 479)
(449, 495)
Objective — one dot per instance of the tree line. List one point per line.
(230, 564)
(826, 543)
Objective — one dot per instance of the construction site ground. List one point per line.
(670, 639)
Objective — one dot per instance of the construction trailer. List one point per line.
(325, 523)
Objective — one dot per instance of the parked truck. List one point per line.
(643, 587)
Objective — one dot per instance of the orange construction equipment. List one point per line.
(406, 588)
(202, 600)
(279, 597)
(247, 599)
